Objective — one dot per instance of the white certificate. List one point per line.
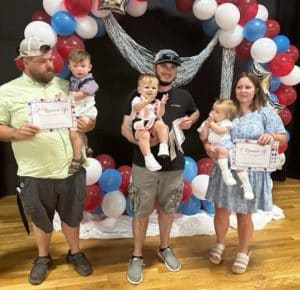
(248, 155)
(52, 114)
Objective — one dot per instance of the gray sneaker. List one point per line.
(39, 270)
(170, 260)
(134, 272)
(80, 263)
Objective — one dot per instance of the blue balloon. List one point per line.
(282, 42)
(64, 73)
(110, 180)
(208, 206)
(101, 27)
(191, 206)
(190, 168)
(275, 83)
(288, 135)
(97, 211)
(254, 29)
(63, 23)
(274, 98)
(209, 26)
(129, 210)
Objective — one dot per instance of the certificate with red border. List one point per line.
(249, 155)
(52, 114)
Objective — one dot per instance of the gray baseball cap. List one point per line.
(32, 46)
(167, 55)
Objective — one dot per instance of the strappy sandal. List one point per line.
(240, 263)
(215, 255)
(76, 165)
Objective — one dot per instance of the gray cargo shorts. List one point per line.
(166, 187)
(41, 197)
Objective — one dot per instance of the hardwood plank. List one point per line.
(274, 264)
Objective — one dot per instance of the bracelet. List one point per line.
(273, 135)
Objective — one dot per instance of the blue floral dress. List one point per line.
(250, 126)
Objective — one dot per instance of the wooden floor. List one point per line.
(275, 260)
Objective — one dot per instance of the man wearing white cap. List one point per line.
(166, 185)
(43, 158)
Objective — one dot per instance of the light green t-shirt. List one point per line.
(47, 154)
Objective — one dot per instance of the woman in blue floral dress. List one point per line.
(255, 120)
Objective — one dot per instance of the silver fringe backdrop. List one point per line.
(228, 60)
(142, 59)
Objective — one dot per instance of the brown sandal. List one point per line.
(76, 165)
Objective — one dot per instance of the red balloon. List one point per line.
(224, 1)
(19, 64)
(106, 161)
(125, 171)
(58, 61)
(78, 7)
(282, 64)
(293, 52)
(205, 165)
(65, 44)
(248, 9)
(184, 6)
(286, 95)
(286, 116)
(187, 191)
(282, 148)
(272, 28)
(243, 50)
(93, 197)
(41, 15)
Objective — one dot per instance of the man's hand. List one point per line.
(186, 123)
(25, 131)
(85, 124)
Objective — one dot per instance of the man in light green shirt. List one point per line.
(44, 158)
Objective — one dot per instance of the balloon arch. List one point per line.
(243, 29)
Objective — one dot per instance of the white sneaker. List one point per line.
(163, 150)
(248, 193)
(151, 163)
(228, 178)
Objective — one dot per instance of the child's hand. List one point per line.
(164, 98)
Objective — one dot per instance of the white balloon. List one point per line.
(136, 8)
(199, 185)
(263, 50)
(293, 78)
(113, 204)
(262, 13)
(231, 38)
(204, 9)
(86, 27)
(280, 160)
(99, 13)
(227, 16)
(41, 30)
(52, 6)
(93, 171)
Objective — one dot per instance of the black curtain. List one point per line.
(158, 28)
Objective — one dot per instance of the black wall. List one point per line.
(160, 27)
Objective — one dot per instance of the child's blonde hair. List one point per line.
(79, 55)
(147, 78)
(227, 106)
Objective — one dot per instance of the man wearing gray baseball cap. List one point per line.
(166, 185)
(43, 158)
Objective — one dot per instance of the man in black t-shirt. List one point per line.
(164, 186)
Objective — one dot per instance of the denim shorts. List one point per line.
(41, 197)
(164, 187)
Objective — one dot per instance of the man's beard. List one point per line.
(43, 78)
(165, 84)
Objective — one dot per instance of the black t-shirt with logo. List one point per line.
(180, 104)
